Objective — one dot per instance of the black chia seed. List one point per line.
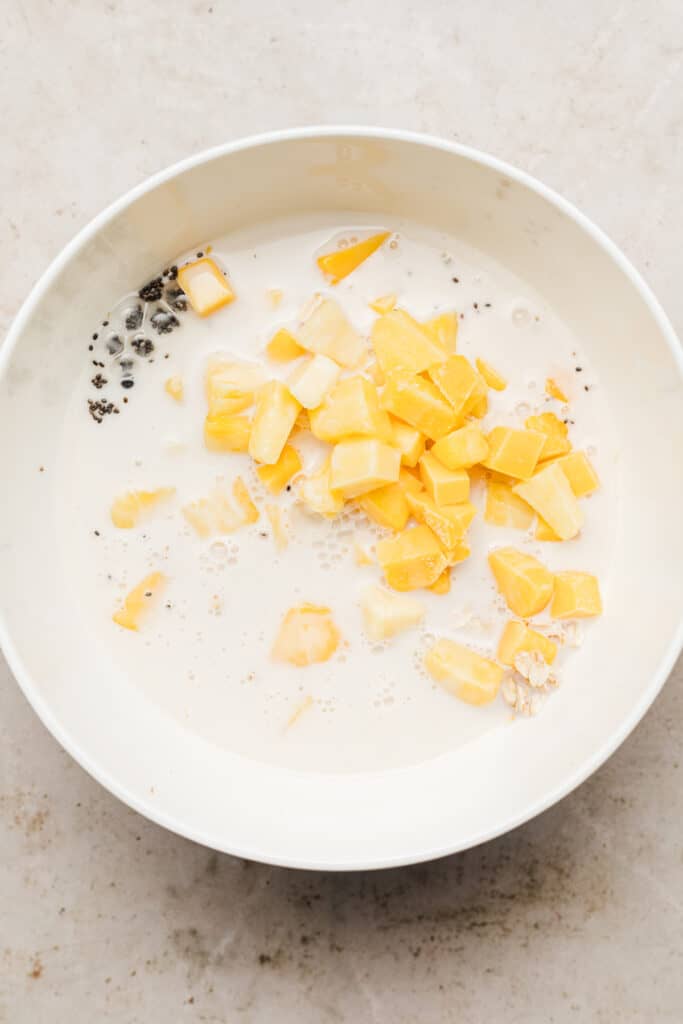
(127, 382)
(163, 322)
(98, 381)
(142, 345)
(133, 318)
(99, 408)
(152, 291)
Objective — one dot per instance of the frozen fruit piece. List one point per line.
(556, 440)
(524, 582)
(456, 379)
(416, 400)
(317, 495)
(464, 673)
(361, 555)
(549, 492)
(128, 509)
(387, 506)
(361, 465)
(383, 304)
(205, 286)
(339, 264)
(443, 329)
(240, 491)
(230, 385)
(326, 330)
(505, 508)
(494, 379)
(173, 386)
(283, 347)
(553, 389)
(385, 614)
(545, 532)
(443, 584)
(411, 560)
(224, 433)
(517, 636)
(277, 525)
(462, 448)
(576, 596)
(448, 522)
(351, 409)
(311, 381)
(458, 553)
(579, 471)
(217, 513)
(278, 475)
(138, 601)
(307, 635)
(276, 413)
(409, 441)
(400, 343)
(514, 452)
(445, 486)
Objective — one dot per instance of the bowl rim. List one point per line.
(24, 678)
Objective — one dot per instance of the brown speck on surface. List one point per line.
(37, 969)
(455, 280)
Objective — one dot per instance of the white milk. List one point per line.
(202, 654)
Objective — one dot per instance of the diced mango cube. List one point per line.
(327, 330)
(384, 303)
(276, 413)
(545, 532)
(361, 465)
(505, 508)
(517, 636)
(409, 481)
(458, 553)
(223, 433)
(231, 386)
(448, 522)
(514, 452)
(445, 486)
(217, 514)
(556, 442)
(387, 506)
(351, 409)
(385, 614)
(456, 379)
(317, 495)
(205, 286)
(173, 386)
(443, 584)
(340, 263)
(411, 560)
(283, 347)
(138, 601)
(311, 381)
(127, 510)
(550, 493)
(400, 343)
(576, 596)
(250, 513)
(417, 401)
(494, 379)
(278, 475)
(461, 448)
(464, 673)
(307, 635)
(409, 441)
(443, 329)
(361, 555)
(553, 389)
(579, 471)
(524, 582)
(276, 518)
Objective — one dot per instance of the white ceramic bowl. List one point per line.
(356, 820)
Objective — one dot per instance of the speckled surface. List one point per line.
(577, 915)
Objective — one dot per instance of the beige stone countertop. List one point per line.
(577, 915)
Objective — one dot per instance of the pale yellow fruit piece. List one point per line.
(449, 523)
(129, 508)
(458, 553)
(327, 330)
(505, 508)
(283, 347)
(361, 554)
(462, 448)
(277, 476)
(173, 386)
(276, 413)
(384, 303)
(458, 382)
(317, 495)
(576, 596)
(226, 433)
(274, 297)
(401, 343)
(205, 286)
(231, 385)
(361, 465)
(305, 705)
(138, 601)
(240, 491)
(494, 379)
(464, 673)
(556, 441)
(524, 582)
(514, 452)
(351, 409)
(418, 402)
(443, 329)
(311, 381)
(409, 481)
(409, 441)
(339, 264)
(445, 486)
(550, 493)
(276, 518)
(411, 560)
(387, 506)
(307, 635)
(580, 473)
(385, 613)
(217, 513)
(553, 389)
(443, 584)
(517, 637)
(544, 532)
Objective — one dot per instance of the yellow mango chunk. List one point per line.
(384, 303)
(274, 297)
(576, 596)
(443, 584)
(361, 465)
(277, 476)
(276, 518)
(361, 555)
(217, 514)
(553, 389)
(250, 513)
(231, 386)
(557, 442)
(443, 329)
(458, 553)
(339, 264)
(138, 601)
(524, 582)
(544, 532)
(456, 379)
(418, 402)
(444, 486)
(409, 441)
(494, 379)
(326, 330)
(464, 673)
(317, 495)
(276, 413)
(387, 506)
(385, 614)
(411, 560)
(550, 494)
(129, 508)
(283, 347)
(517, 636)
(307, 635)
(579, 471)
(409, 480)
(173, 386)
(514, 452)
(400, 343)
(227, 433)
(351, 409)
(448, 523)
(462, 448)
(505, 508)
(311, 381)
(205, 286)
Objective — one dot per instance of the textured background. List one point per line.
(576, 916)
